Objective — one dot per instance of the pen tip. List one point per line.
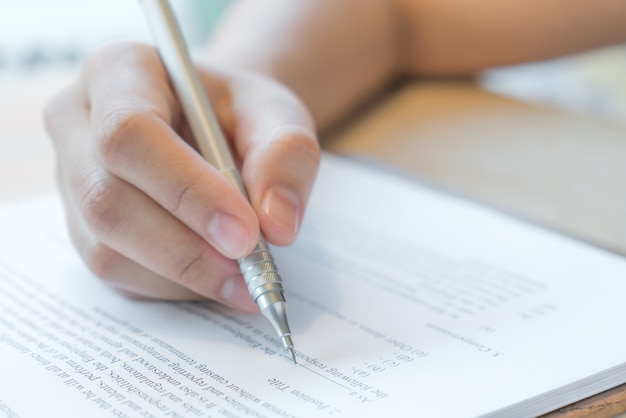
(293, 355)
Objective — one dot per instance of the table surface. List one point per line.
(559, 168)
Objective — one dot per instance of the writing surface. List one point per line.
(400, 298)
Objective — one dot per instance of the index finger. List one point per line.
(133, 116)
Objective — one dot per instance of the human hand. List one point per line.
(146, 213)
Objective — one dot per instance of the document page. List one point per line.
(403, 301)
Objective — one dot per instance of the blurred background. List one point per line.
(37, 35)
(593, 82)
(40, 36)
(42, 44)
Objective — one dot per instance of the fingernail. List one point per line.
(229, 235)
(235, 293)
(281, 206)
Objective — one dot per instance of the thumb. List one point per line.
(274, 138)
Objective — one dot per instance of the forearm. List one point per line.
(464, 36)
(332, 54)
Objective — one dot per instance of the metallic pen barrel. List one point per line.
(263, 280)
(258, 269)
(266, 288)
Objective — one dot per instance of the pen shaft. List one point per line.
(183, 75)
(258, 269)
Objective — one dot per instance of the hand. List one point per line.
(146, 213)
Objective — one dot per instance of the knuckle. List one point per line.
(298, 140)
(102, 261)
(98, 207)
(188, 193)
(190, 269)
(115, 137)
(301, 147)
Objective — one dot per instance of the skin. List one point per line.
(153, 220)
(334, 55)
(120, 136)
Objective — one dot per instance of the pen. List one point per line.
(258, 269)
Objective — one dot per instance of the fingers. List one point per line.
(275, 140)
(136, 143)
(146, 212)
(124, 235)
(129, 278)
(137, 247)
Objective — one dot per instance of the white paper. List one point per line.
(403, 302)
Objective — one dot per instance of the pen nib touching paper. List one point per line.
(293, 355)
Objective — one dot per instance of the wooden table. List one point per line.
(560, 169)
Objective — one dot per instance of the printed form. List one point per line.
(403, 301)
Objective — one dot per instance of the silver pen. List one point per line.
(258, 269)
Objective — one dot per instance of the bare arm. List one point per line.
(331, 53)
(334, 54)
(462, 36)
